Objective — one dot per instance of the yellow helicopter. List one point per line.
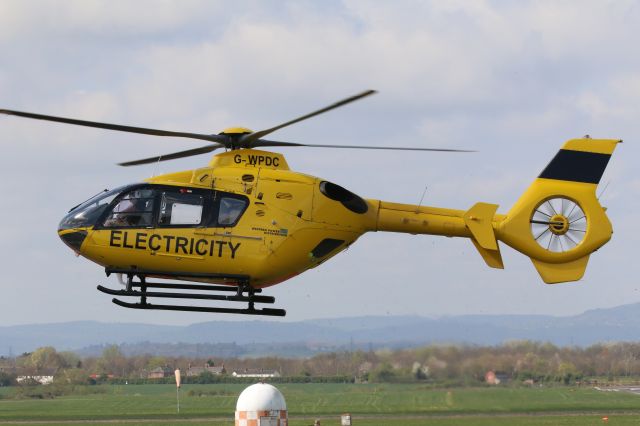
(246, 221)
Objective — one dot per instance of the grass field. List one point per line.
(624, 420)
(375, 405)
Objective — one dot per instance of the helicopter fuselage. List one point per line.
(246, 214)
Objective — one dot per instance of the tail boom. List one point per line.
(413, 219)
(560, 205)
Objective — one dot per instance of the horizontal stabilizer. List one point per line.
(553, 273)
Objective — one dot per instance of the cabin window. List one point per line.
(348, 199)
(183, 208)
(230, 210)
(134, 210)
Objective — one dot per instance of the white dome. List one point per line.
(260, 397)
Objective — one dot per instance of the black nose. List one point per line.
(73, 239)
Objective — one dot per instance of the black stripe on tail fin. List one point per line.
(576, 166)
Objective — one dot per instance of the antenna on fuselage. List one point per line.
(422, 198)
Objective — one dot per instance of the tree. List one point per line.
(112, 361)
(45, 357)
(157, 361)
(6, 379)
(419, 372)
(567, 372)
(75, 376)
(383, 373)
(70, 360)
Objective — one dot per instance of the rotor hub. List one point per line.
(236, 131)
(559, 224)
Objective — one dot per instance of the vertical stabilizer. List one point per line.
(558, 222)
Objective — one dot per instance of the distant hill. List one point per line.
(304, 338)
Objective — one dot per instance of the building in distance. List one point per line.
(256, 372)
(160, 373)
(196, 371)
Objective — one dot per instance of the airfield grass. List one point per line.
(623, 420)
(370, 404)
(587, 420)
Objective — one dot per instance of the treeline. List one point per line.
(517, 362)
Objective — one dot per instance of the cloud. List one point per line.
(511, 80)
(97, 19)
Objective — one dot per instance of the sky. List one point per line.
(512, 80)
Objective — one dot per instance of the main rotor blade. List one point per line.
(173, 156)
(250, 138)
(266, 143)
(154, 132)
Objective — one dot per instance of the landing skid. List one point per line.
(243, 292)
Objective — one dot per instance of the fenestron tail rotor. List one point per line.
(558, 224)
(228, 139)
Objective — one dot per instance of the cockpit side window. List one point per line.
(182, 208)
(132, 210)
(87, 213)
(230, 210)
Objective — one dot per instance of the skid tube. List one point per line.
(239, 285)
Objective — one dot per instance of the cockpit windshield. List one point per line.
(89, 211)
